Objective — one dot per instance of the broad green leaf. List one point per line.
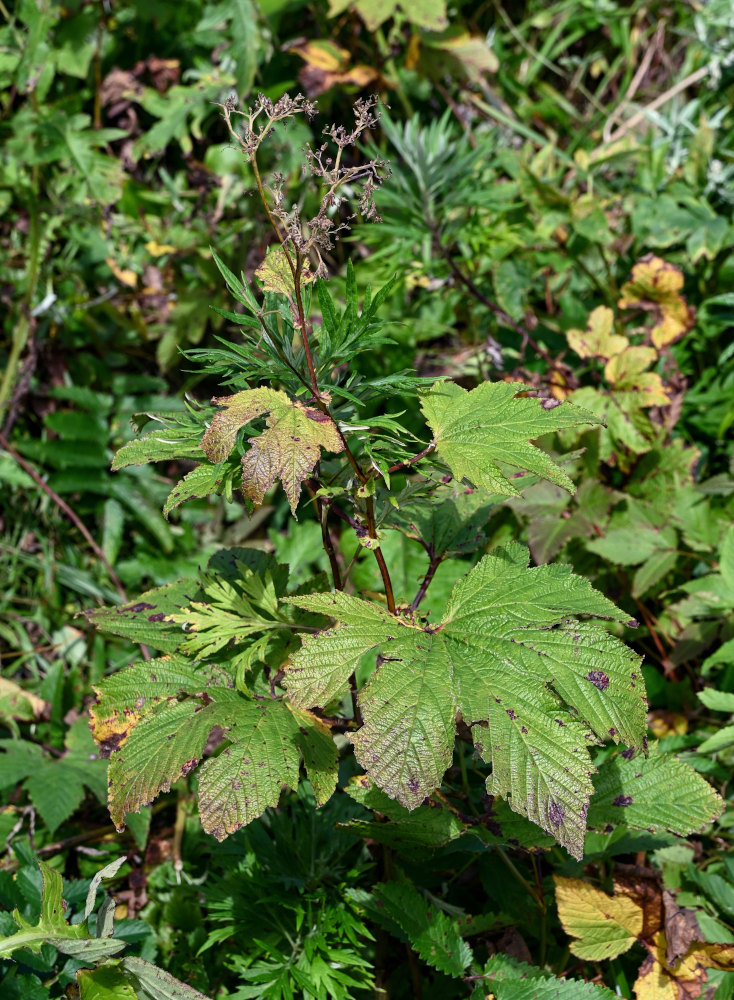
(155, 719)
(508, 979)
(153, 983)
(717, 701)
(106, 982)
(163, 746)
(56, 785)
(658, 792)
(535, 685)
(248, 776)
(148, 618)
(430, 932)
(477, 433)
(287, 450)
(606, 926)
(202, 481)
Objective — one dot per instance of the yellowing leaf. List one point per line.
(597, 340)
(626, 372)
(428, 14)
(158, 249)
(276, 275)
(655, 285)
(16, 703)
(124, 275)
(327, 64)
(287, 450)
(606, 926)
(659, 980)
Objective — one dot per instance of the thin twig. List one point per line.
(435, 562)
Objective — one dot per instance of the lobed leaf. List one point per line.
(479, 432)
(507, 657)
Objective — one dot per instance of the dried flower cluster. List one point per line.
(305, 241)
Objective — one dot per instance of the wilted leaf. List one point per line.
(276, 275)
(287, 450)
(17, 703)
(327, 64)
(655, 285)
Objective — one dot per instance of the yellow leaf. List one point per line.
(16, 703)
(276, 275)
(659, 981)
(656, 285)
(124, 275)
(158, 249)
(626, 371)
(606, 926)
(597, 340)
(323, 54)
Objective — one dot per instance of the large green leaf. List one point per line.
(535, 684)
(658, 792)
(156, 718)
(480, 432)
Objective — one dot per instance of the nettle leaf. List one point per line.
(508, 979)
(155, 720)
(287, 450)
(479, 432)
(536, 685)
(657, 793)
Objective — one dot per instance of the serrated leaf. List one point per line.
(148, 618)
(263, 759)
(478, 432)
(606, 926)
(155, 983)
(508, 979)
(287, 450)
(56, 785)
(431, 933)
(504, 656)
(197, 484)
(155, 719)
(163, 746)
(656, 793)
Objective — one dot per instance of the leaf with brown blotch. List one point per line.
(660, 980)
(655, 286)
(287, 450)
